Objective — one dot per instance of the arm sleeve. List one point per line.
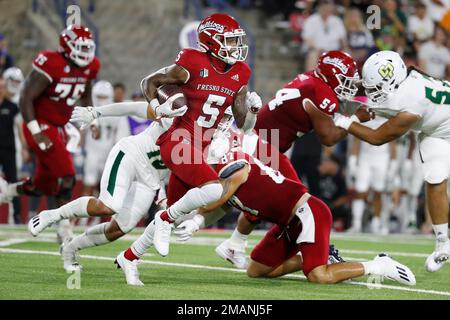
(138, 109)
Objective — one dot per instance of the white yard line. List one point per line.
(195, 266)
(10, 242)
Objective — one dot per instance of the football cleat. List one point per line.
(161, 238)
(394, 270)
(69, 257)
(129, 268)
(437, 259)
(333, 255)
(39, 223)
(236, 257)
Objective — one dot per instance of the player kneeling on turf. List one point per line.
(302, 224)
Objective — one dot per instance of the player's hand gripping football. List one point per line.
(165, 110)
(84, 116)
(253, 102)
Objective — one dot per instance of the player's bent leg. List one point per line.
(92, 237)
(193, 199)
(78, 208)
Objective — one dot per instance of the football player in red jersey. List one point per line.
(309, 102)
(302, 224)
(211, 79)
(58, 80)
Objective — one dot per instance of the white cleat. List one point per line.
(437, 259)
(161, 238)
(236, 257)
(130, 269)
(69, 257)
(394, 270)
(39, 223)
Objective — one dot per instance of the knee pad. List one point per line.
(210, 193)
(65, 188)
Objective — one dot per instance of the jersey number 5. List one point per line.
(210, 111)
(64, 90)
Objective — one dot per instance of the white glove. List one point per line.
(84, 116)
(165, 110)
(186, 229)
(343, 121)
(218, 148)
(253, 102)
(352, 166)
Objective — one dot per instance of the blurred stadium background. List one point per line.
(136, 37)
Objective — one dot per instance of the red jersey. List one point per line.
(208, 93)
(286, 113)
(68, 83)
(266, 194)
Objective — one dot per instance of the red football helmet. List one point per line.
(76, 44)
(339, 71)
(221, 35)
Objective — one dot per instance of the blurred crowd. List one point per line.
(368, 188)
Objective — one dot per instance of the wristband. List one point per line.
(34, 127)
(199, 220)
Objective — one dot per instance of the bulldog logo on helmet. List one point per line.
(338, 63)
(211, 25)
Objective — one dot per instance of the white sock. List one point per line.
(11, 190)
(441, 231)
(371, 267)
(376, 222)
(145, 241)
(358, 211)
(94, 236)
(412, 201)
(194, 199)
(74, 209)
(64, 230)
(238, 240)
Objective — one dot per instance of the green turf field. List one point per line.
(31, 268)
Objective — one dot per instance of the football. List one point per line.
(172, 92)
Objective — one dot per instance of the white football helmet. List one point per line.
(102, 93)
(14, 79)
(382, 74)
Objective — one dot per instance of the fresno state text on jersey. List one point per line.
(286, 113)
(208, 92)
(68, 84)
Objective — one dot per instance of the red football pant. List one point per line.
(53, 164)
(179, 157)
(273, 250)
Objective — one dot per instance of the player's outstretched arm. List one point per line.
(323, 125)
(85, 116)
(392, 129)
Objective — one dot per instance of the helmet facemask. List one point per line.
(375, 92)
(82, 51)
(347, 88)
(232, 46)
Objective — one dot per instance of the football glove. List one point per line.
(253, 102)
(84, 116)
(186, 229)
